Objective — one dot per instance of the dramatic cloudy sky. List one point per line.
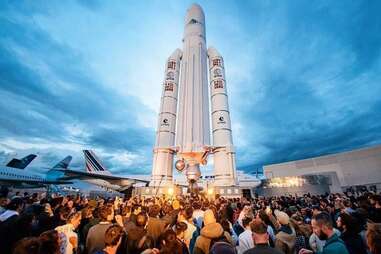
(303, 77)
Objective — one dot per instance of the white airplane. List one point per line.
(13, 174)
(96, 173)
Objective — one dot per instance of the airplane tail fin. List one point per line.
(93, 164)
(64, 164)
(22, 163)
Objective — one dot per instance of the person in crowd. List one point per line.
(14, 225)
(211, 232)
(350, 233)
(169, 244)
(27, 245)
(286, 236)
(264, 217)
(322, 226)
(375, 209)
(198, 214)
(95, 240)
(302, 233)
(112, 240)
(72, 224)
(245, 239)
(155, 226)
(373, 237)
(229, 232)
(50, 242)
(186, 216)
(137, 239)
(197, 223)
(261, 239)
(180, 229)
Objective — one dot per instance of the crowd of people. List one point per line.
(194, 224)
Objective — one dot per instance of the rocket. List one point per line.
(184, 119)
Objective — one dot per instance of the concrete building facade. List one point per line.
(360, 167)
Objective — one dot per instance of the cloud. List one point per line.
(302, 78)
(52, 101)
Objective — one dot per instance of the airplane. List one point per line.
(96, 173)
(13, 174)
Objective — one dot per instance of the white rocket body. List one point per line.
(162, 168)
(192, 126)
(224, 152)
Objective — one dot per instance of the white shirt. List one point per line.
(245, 241)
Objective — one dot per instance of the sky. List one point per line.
(303, 77)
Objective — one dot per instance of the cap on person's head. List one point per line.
(258, 227)
(282, 217)
(209, 217)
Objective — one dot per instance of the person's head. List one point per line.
(375, 200)
(188, 213)
(87, 212)
(197, 205)
(180, 228)
(259, 230)
(63, 213)
(16, 204)
(106, 213)
(141, 220)
(348, 223)
(70, 204)
(168, 239)
(209, 217)
(28, 245)
(225, 225)
(49, 242)
(373, 236)
(246, 222)
(282, 217)
(154, 211)
(222, 248)
(262, 215)
(322, 225)
(75, 219)
(126, 211)
(113, 236)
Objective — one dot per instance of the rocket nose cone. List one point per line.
(195, 14)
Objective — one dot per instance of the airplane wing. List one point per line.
(83, 175)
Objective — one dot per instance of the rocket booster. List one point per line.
(165, 136)
(224, 153)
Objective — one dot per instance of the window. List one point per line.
(217, 62)
(168, 87)
(218, 84)
(171, 65)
